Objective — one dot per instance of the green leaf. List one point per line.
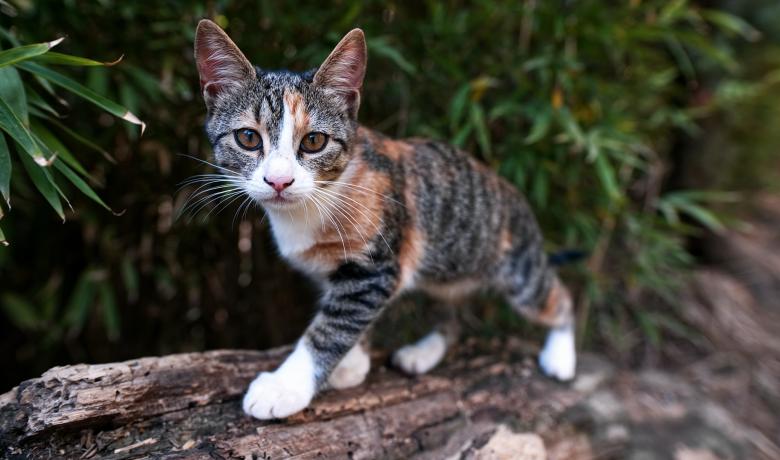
(13, 92)
(44, 183)
(79, 183)
(80, 302)
(732, 23)
(83, 140)
(67, 59)
(5, 171)
(457, 104)
(380, 46)
(607, 177)
(130, 278)
(21, 312)
(21, 53)
(11, 124)
(540, 127)
(54, 145)
(84, 92)
(110, 310)
(480, 126)
(36, 100)
(3, 241)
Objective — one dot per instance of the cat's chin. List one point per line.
(278, 203)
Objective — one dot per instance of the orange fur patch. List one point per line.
(356, 212)
(557, 308)
(294, 101)
(413, 243)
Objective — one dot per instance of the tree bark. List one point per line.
(188, 406)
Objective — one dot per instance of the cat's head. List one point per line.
(284, 134)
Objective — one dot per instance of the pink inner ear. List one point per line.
(220, 62)
(345, 67)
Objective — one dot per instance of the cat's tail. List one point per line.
(566, 256)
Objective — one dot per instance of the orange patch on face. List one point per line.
(294, 101)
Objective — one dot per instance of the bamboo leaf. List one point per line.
(22, 53)
(44, 183)
(11, 124)
(607, 177)
(83, 92)
(540, 127)
(67, 59)
(5, 171)
(480, 126)
(79, 183)
(20, 311)
(50, 140)
(381, 47)
(13, 92)
(80, 302)
(110, 310)
(732, 23)
(83, 140)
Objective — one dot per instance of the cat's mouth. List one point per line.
(281, 201)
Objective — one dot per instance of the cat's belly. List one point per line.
(452, 290)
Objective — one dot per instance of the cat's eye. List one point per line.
(314, 142)
(248, 139)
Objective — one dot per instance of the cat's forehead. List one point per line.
(279, 79)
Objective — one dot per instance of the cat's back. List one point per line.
(457, 207)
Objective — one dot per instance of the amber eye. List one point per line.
(314, 142)
(248, 139)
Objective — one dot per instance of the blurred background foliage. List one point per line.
(632, 128)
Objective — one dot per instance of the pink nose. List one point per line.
(279, 183)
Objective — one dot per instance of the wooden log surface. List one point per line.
(188, 406)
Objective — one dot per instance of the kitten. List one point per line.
(367, 217)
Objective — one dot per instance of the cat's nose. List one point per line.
(279, 183)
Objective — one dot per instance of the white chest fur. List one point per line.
(293, 233)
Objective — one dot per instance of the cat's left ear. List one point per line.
(344, 69)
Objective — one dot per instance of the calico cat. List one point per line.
(368, 218)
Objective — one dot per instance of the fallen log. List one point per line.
(188, 406)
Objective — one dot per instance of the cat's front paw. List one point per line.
(274, 395)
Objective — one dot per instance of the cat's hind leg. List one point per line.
(353, 368)
(423, 355)
(536, 293)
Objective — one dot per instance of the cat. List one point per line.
(368, 218)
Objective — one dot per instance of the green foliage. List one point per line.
(583, 107)
(36, 147)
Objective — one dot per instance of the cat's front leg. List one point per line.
(355, 297)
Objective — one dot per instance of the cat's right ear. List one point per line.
(221, 64)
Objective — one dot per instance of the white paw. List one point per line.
(558, 358)
(352, 369)
(421, 356)
(284, 392)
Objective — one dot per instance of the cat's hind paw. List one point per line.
(558, 358)
(421, 356)
(352, 369)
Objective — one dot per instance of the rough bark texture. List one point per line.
(487, 401)
(187, 406)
